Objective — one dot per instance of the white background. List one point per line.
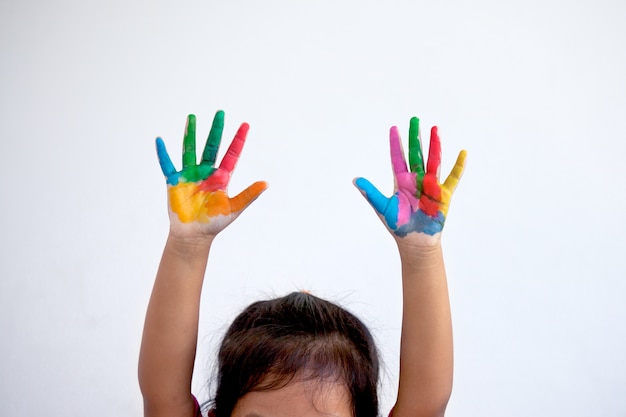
(535, 240)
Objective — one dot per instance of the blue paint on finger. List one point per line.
(386, 207)
(167, 167)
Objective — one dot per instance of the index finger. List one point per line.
(234, 150)
(397, 153)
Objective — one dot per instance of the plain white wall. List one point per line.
(535, 90)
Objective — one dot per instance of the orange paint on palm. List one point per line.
(192, 204)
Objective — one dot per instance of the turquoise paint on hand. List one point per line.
(192, 171)
(419, 203)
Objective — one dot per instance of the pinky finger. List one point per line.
(164, 159)
(457, 171)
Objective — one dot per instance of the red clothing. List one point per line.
(197, 412)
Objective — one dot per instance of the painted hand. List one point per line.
(420, 203)
(197, 195)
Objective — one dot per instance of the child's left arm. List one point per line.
(415, 215)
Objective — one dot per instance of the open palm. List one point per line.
(419, 203)
(198, 194)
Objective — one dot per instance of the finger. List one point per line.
(387, 208)
(164, 159)
(431, 197)
(457, 171)
(234, 150)
(189, 142)
(416, 158)
(434, 153)
(376, 199)
(214, 139)
(247, 196)
(397, 153)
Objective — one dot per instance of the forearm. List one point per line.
(171, 328)
(415, 215)
(426, 356)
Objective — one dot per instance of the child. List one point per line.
(298, 355)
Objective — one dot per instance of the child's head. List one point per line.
(292, 339)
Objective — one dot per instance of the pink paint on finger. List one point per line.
(397, 154)
(407, 200)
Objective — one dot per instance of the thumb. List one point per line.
(376, 199)
(384, 206)
(247, 196)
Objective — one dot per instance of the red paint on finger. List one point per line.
(434, 152)
(431, 197)
(234, 150)
(217, 181)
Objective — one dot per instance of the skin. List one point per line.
(415, 215)
(302, 398)
(198, 192)
(419, 203)
(200, 208)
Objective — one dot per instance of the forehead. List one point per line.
(312, 398)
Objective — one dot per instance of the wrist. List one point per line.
(188, 246)
(418, 242)
(416, 251)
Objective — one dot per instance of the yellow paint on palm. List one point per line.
(192, 204)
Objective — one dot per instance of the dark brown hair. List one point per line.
(272, 341)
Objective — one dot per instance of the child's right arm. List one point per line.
(199, 208)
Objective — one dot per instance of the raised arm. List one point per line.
(199, 208)
(415, 215)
